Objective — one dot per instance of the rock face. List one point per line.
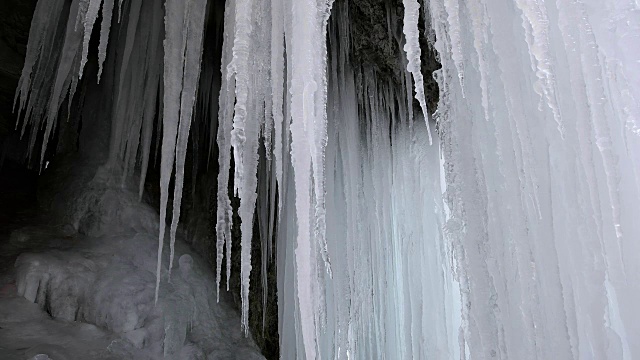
(376, 42)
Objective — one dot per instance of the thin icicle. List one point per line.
(43, 25)
(193, 32)
(535, 14)
(412, 49)
(480, 37)
(105, 28)
(224, 216)
(120, 10)
(452, 8)
(89, 21)
(277, 89)
(132, 29)
(152, 93)
(64, 73)
(173, 72)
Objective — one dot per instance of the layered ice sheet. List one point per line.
(544, 193)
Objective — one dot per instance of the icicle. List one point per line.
(452, 8)
(224, 216)
(263, 215)
(89, 21)
(174, 45)
(239, 68)
(120, 10)
(308, 120)
(535, 14)
(320, 143)
(151, 99)
(184, 27)
(132, 29)
(192, 33)
(480, 37)
(277, 89)
(43, 26)
(412, 49)
(68, 61)
(107, 14)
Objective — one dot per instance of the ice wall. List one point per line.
(392, 293)
(542, 163)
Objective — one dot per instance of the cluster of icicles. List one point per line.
(260, 98)
(534, 253)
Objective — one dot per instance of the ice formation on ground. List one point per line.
(533, 253)
(104, 274)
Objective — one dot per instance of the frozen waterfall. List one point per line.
(542, 170)
(511, 233)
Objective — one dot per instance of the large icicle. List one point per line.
(184, 26)
(193, 33)
(308, 126)
(412, 49)
(90, 19)
(173, 69)
(224, 212)
(107, 15)
(245, 80)
(239, 68)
